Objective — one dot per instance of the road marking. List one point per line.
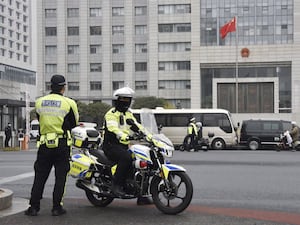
(274, 216)
(17, 177)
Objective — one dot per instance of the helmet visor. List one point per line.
(124, 99)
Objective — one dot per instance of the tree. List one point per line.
(151, 103)
(93, 112)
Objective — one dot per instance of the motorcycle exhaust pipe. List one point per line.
(94, 189)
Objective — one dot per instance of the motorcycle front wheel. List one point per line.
(177, 197)
(97, 200)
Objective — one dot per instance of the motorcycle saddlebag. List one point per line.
(80, 165)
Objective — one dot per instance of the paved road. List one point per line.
(230, 187)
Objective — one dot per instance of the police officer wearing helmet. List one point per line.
(192, 132)
(57, 115)
(116, 142)
(294, 134)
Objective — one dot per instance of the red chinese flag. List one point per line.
(228, 27)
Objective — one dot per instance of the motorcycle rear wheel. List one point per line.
(177, 198)
(97, 200)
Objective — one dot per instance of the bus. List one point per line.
(217, 124)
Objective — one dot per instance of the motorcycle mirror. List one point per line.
(132, 124)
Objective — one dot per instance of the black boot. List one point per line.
(32, 211)
(58, 211)
(144, 201)
(118, 191)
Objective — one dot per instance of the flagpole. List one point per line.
(236, 65)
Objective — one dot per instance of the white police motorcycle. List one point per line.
(152, 175)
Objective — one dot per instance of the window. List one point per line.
(117, 48)
(117, 30)
(140, 48)
(72, 12)
(165, 28)
(95, 85)
(50, 13)
(73, 49)
(95, 30)
(174, 47)
(73, 86)
(50, 50)
(118, 67)
(117, 84)
(95, 67)
(140, 29)
(180, 27)
(73, 31)
(50, 31)
(141, 85)
(95, 49)
(174, 66)
(51, 68)
(118, 11)
(174, 9)
(174, 84)
(140, 66)
(140, 10)
(48, 86)
(73, 67)
(95, 12)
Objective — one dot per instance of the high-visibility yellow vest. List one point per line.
(52, 110)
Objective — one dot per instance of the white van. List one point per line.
(34, 129)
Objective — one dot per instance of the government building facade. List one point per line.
(173, 49)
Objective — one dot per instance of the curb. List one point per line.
(18, 205)
(5, 198)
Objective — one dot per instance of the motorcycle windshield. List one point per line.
(149, 122)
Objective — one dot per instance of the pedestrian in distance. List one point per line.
(57, 115)
(8, 135)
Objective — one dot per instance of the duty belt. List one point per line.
(52, 139)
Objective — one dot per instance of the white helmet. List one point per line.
(199, 124)
(193, 119)
(294, 123)
(123, 92)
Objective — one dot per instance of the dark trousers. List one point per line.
(120, 155)
(190, 141)
(46, 159)
(6, 141)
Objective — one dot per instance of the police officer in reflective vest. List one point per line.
(116, 133)
(57, 116)
(192, 131)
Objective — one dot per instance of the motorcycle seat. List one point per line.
(102, 157)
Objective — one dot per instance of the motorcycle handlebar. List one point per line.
(137, 136)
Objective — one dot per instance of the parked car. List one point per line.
(34, 129)
(258, 133)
